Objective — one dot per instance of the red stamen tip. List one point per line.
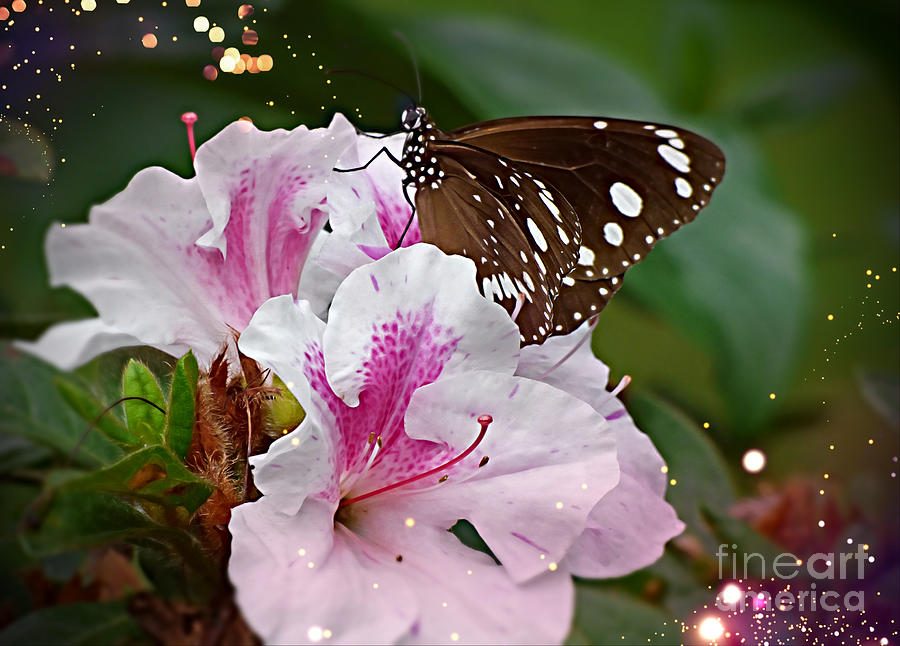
(485, 419)
(189, 119)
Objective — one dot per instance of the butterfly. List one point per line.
(554, 210)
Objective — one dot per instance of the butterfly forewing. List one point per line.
(522, 233)
(631, 183)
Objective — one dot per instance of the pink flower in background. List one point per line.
(349, 541)
(179, 263)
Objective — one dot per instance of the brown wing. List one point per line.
(631, 183)
(522, 234)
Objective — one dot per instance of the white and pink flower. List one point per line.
(350, 540)
(181, 263)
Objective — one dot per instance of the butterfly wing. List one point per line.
(631, 184)
(522, 234)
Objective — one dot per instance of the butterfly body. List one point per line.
(554, 210)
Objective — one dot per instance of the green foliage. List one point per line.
(607, 616)
(144, 421)
(75, 624)
(153, 474)
(182, 399)
(92, 412)
(32, 409)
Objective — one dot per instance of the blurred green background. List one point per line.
(769, 323)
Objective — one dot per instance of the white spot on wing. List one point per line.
(626, 199)
(536, 235)
(600, 125)
(586, 256)
(551, 206)
(666, 133)
(562, 235)
(613, 233)
(683, 187)
(675, 158)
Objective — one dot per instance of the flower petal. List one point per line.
(295, 578)
(461, 593)
(401, 321)
(137, 263)
(568, 363)
(286, 337)
(551, 459)
(266, 194)
(71, 344)
(629, 527)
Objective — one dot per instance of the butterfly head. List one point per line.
(413, 118)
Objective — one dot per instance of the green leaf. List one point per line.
(74, 624)
(503, 69)
(182, 401)
(144, 421)
(153, 474)
(31, 407)
(609, 617)
(90, 410)
(75, 520)
(693, 461)
(735, 281)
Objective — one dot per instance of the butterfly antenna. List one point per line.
(412, 55)
(347, 70)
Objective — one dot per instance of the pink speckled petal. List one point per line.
(629, 527)
(462, 591)
(551, 459)
(286, 337)
(401, 321)
(266, 194)
(288, 601)
(71, 344)
(580, 374)
(137, 263)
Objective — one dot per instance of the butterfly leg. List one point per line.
(383, 150)
(406, 183)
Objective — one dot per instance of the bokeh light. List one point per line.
(753, 461)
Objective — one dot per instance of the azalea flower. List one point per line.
(414, 421)
(182, 263)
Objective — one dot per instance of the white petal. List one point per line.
(551, 459)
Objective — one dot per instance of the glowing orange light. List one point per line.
(192, 3)
(265, 63)
(4, 13)
(245, 11)
(18, 6)
(249, 37)
(210, 73)
(148, 41)
(216, 34)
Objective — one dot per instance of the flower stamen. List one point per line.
(623, 384)
(520, 301)
(189, 118)
(484, 420)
